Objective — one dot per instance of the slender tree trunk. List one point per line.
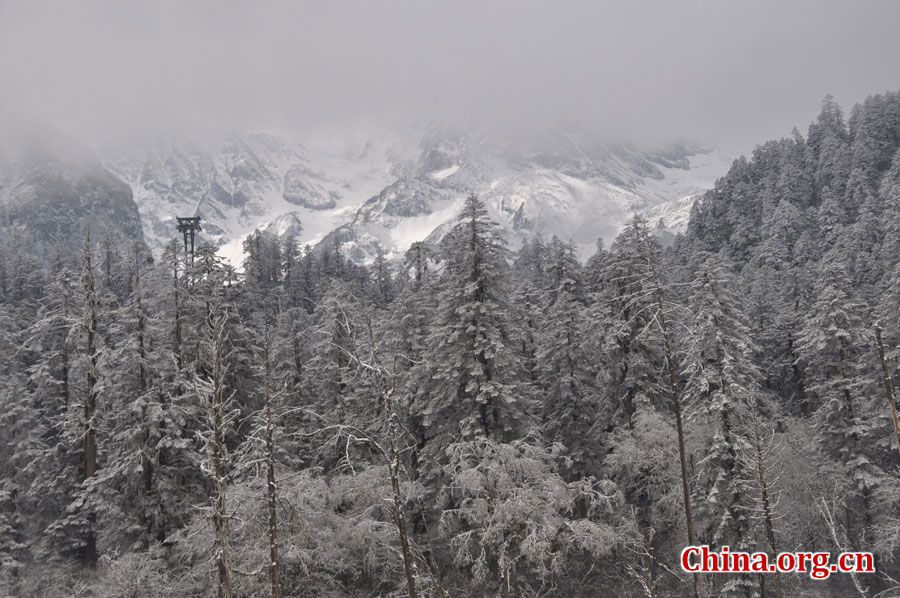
(387, 392)
(505, 583)
(146, 459)
(218, 457)
(89, 550)
(399, 513)
(271, 488)
(888, 385)
(176, 340)
(762, 479)
(141, 325)
(682, 452)
(65, 343)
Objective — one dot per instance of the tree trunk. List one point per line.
(176, 339)
(888, 385)
(217, 455)
(65, 344)
(763, 479)
(89, 550)
(270, 486)
(399, 514)
(146, 459)
(682, 452)
(387, 393)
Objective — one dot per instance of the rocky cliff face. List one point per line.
(53, 190)
(404, 186)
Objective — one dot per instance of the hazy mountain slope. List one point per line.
(239, 182)
(53, 189)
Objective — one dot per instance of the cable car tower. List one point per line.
(189, 226)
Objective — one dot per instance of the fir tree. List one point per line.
(570, 398)
(722, 383)
(834, 349)
(473, 365)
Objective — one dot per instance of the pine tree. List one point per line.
(152, 414)
(384, 281)
(834, 348)
(219, 416)
(92, 390)
(271, 486)
(622, 315)
(722, 384)
(40, 395)
(566, 370)
(473, 363)
(407, 334)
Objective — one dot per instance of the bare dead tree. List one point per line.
(217, 403)
(759, 459)
(838, 536)
(386, 381)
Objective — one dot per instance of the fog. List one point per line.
(731, 73)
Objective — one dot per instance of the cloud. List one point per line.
(730, 72)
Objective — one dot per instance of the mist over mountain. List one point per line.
(54, 190)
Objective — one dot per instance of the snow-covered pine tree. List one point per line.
(150, 475)
(473, 366)
(263, 270)
(622, 318)
(74, 530)
(331, 339)
(722, 384)
(638, 349)
(836, 352)
(383, 287)
(565, 365)
(406, 333)
(530, 263)
(34, 394)
(39, 401)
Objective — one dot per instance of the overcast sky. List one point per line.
(733, 73)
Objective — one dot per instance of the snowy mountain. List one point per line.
(240, 182)
(405, 186)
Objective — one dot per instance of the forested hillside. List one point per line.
(471, 421)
